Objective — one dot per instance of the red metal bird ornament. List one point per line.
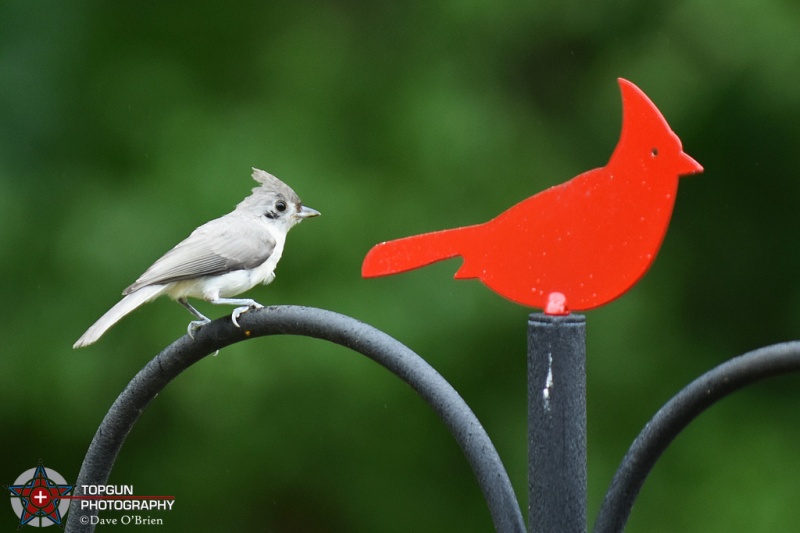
(574, 246)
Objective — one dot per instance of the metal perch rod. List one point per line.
(678, 413)
(320, 324)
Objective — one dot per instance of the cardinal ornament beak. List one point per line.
(688, 166)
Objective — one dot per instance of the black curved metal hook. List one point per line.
(676, 414)
(318, 323)
(670, 420)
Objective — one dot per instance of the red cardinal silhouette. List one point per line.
(577, 245)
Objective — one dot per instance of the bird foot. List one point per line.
(239, 310)
(194, 325)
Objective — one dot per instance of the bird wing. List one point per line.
(229, 243)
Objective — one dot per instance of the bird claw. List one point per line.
(194, 325)
(239, 310)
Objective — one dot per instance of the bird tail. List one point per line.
(116, 313)
(402, 255)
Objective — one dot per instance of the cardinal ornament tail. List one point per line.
(394, 257)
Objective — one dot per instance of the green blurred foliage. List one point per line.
(123, 125)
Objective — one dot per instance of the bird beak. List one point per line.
(688, 165)
(307, 212)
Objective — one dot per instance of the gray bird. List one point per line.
(222, 258)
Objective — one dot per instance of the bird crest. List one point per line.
(271, 187)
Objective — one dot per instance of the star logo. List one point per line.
(37, 496)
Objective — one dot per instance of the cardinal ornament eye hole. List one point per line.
(654, 152)
(280, 205)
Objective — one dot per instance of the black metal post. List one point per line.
(556, 423)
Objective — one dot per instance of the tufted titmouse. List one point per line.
(220, 259)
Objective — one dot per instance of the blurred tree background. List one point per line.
(124, 125)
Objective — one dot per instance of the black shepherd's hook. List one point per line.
(676, 414)
(310, 322)
(556, 398)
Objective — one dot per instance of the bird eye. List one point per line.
(654, 152)
(280, 205)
